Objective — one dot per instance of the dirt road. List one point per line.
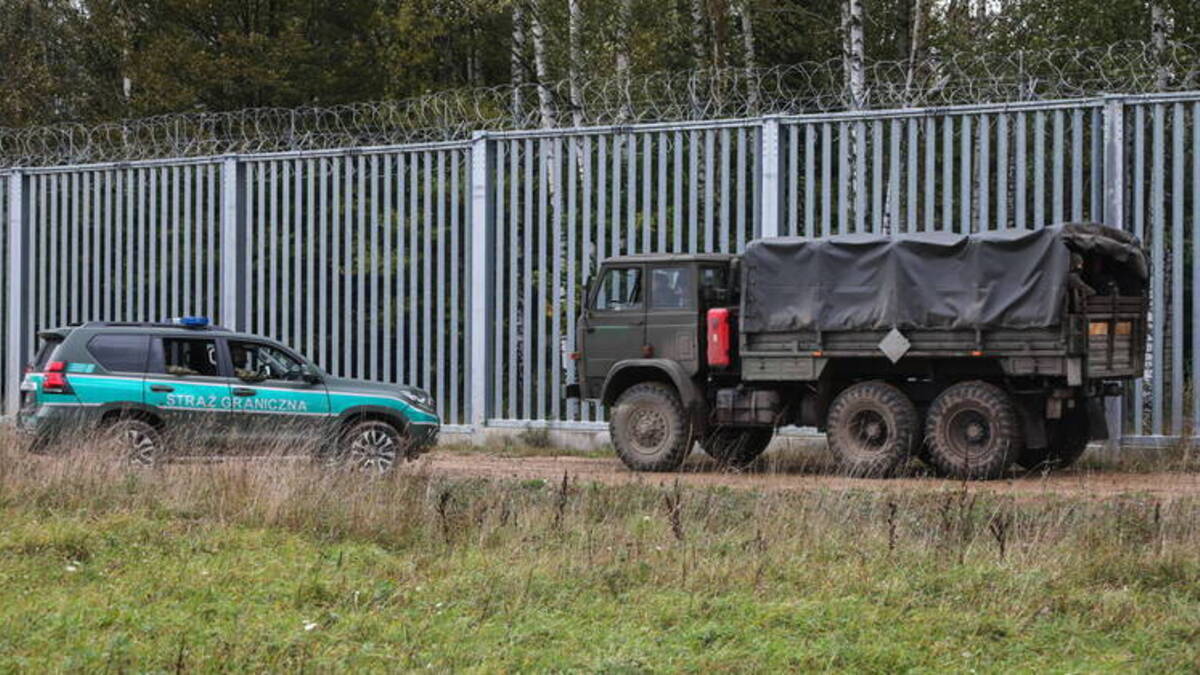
(790, 473)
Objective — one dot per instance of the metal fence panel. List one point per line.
(361, 259)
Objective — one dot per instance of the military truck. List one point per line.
(970, 352)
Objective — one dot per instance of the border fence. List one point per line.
(458, 265)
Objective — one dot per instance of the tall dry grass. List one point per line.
(685, 532)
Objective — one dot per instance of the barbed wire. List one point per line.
(938, 79)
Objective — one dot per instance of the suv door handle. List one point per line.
(242, 391)
(161, 388)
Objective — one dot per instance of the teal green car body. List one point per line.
(210, 407)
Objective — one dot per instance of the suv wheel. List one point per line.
(134, 441)
(371, 445)
(972, 431)
(871, 428)
(736, 448)
(650, 428)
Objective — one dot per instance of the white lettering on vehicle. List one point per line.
(249, 404)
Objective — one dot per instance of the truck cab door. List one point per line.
(613, 328)
(672, 318)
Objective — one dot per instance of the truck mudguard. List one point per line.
(619, 379)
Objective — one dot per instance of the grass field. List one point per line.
(274, 565)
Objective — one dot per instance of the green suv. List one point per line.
(154, 386)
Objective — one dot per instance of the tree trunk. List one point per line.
(624, 18)
(545, 102)
(517, 63)
(574, 59)
(852, 53)
(1159, 32)
(750, 62)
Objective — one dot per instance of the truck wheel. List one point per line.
(871, 427)
(972, 431)
(650, 429)
(734, 447)
(133, 441)
(1067, 440)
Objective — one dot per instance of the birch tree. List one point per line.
(853, 58)
(750, 61)
(574, 59)
(624, 18)
(517, 61)
(545, 101)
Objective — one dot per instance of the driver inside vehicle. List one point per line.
(256, 363)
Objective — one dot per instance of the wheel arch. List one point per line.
(111, 412)
(629, 372)
(362, 413)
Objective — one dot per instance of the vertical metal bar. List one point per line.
(273, 253)
(373, 300)
(964, 182)
(725, 196)
(460, 163)
(709, 199)
(616, 198)
(859, 185)
(740, 181)
(810, 179)
(1020, 205)
(985, 166)
(527, 383)
(947, 175)
(677, 212)
(109, 272)
(571, 221)
(877, 176)
(1139, 230)
(1097, 166)
(1158, 305)
(73, 259)
(630, 208)
(1178, 249)
(661, 223)
(347, 324)
(793, 181)
(1077, 164)
(427, 381)
(359, 269)
(1039, 169)
(395, 261)
(335, 207)
(120, 236)
(310, 327)
(556, 249)
(894, 223)
(1002, 172)
(543, 257)
(213, 226)
(514, 183)
(693, 190)
(414, 265)
(1056, 203)
(500, 263)
(769, 176)
(233, 242)
(292, 238)
(322, 327)
(844, 186)
(1195, 264)
(186, 262)
(1114, 207)
(913, 153)
(589, 254)
(18, 329)
(930, 173)
(259, 260)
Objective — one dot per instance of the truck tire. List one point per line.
(973, 431)
(650, 428)
(870, 428)
(1067, 440)
(736, 447)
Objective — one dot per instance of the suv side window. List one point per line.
(190, 356)
(256, 362)
(671, 288)
(122, 353)
(620, 290)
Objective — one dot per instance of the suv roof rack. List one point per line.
(150, 324)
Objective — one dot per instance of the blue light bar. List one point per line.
(190, 321)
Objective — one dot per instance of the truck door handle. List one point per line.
(242, 391)
(162, 388)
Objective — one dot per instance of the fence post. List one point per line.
(480, 270)
(769, 175)
(17, 328)
(233, 244)
(1114, 216)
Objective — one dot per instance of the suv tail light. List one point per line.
(718, 337)
(55, 380)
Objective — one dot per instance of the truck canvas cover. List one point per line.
(932, 280)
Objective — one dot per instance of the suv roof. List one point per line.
(149, 327)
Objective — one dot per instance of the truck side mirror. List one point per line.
(311, 375)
